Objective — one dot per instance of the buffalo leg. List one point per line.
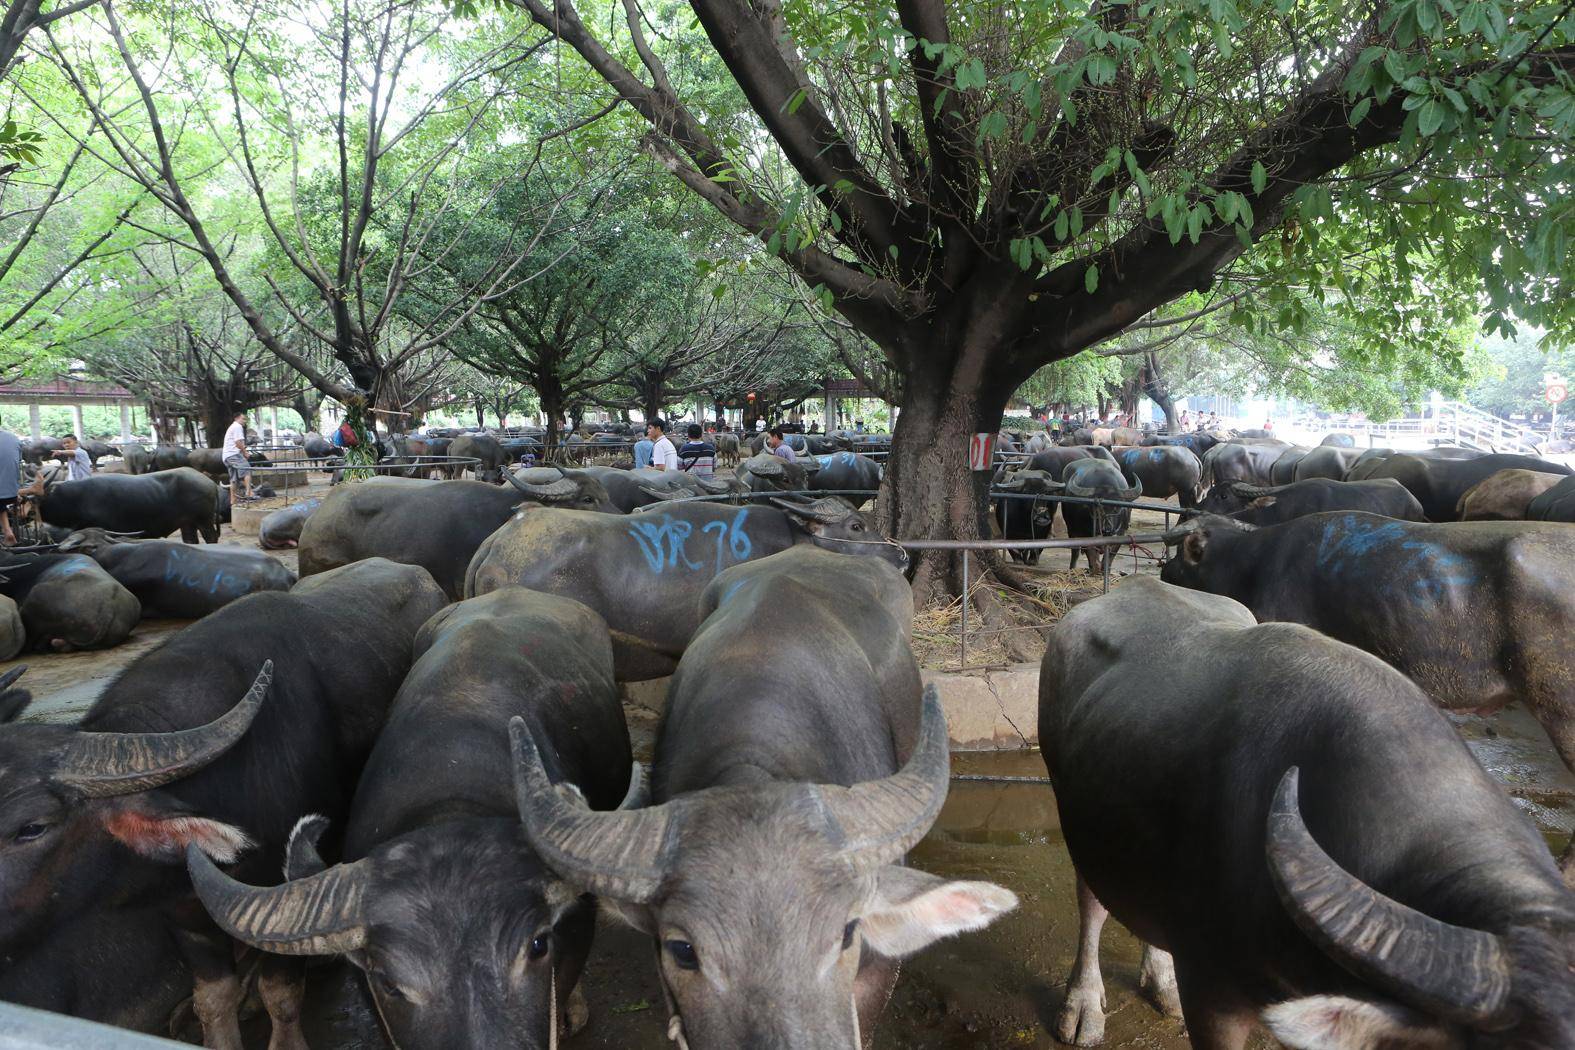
(216, 990)
(281, 982)
(1213, 1022)
(188, 534)
(1157, 980)
(1081, 1017)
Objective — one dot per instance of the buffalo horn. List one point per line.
(1450, 971)
(1248, 491)
(9, 678)
(1074, 489)
(880, 820)
(103, 765)
(714, 486)
(322, 914)
(300, 851)
(1134, 492)
(543, 483)
(663, 494)
(828, 510)
(1011, 483)
(811, 464)
(622, 855)
(638, 796)
(765, 466)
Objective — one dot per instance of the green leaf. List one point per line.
(1061, 223)
(1091, 279)
(796, 100)
(1431, 117)
(1260, 176)
(1359, 110)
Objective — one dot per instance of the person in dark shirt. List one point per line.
(697, 457)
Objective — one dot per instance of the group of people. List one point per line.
(698, 454)
(77, 463)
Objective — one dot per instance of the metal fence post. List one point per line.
(963, 633)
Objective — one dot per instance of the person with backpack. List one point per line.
(697, 457)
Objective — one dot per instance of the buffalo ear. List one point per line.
(155, 826)
(1194, 547)
(1333, 1022)
(911, 909)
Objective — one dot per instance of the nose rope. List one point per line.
(552, 1008)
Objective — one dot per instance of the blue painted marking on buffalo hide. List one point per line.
(1348, 541)
(178, 570)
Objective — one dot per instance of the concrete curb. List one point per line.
(985, 711)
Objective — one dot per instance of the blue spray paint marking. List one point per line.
(662, 542)
(1347, 541)
(197, 578)
(1130, 456)
(730, 538)
(1155, 455)
(732, 589)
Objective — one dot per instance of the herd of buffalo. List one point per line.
(414, 756)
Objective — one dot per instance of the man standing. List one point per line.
(10, 480)
(78, 464)
(779, 447)
(697, 457)
(663, 455)
(234, 449)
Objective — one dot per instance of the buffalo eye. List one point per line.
(29, 832)
(683, 955)
(538, 948)
(389, 989)
(857, 526)
(847, 934)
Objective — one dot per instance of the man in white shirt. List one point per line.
(234, 449)
(664, 456)
(78, 464)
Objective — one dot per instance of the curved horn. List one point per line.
(1135, 491)
(323, 914)
(828, 510)
(1011, 483)
(664, 494)
(621, 855)
(1459, 973)
(638, 796)
(811, 464)
(1074, 489)
(551, 491)
(301, 858)
(765, 466)
(881, 820)
(103, 765)
(1245, 490)
(714, 486)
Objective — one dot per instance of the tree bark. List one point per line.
(1158, 390)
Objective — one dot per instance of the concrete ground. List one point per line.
(987, 991)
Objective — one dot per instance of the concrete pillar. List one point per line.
(35, 427)
(76, 422)
(273, 421)
(125, 421)
(830, 411)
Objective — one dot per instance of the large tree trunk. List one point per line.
(552, 408)
(1158, 390)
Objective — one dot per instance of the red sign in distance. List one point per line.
(981, 451)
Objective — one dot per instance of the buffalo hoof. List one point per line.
(1157, 981)
(1081, 1018)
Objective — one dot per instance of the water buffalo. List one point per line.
(1274, 819)
(644, 572)
(36, 452)
(168, 457)
(435, 524)
(1025, 519)
(1338, 440)
(769, 869)
(282, 528)
(1505, 496)
(67, 601)
(483, 447)
(1325, 461)
(173, 579)
(1477, 613)
(1096, 479)
(1054, 461)
(768, 473)
(138, 459)
(318, 447)
(1163, 471)
(1438, 483)
(1077, 436)
(1199, 441)
(726, 447)
(163, 760)
(847, 471)
(1556, 504)
(1233, 461)
(1366, 463)
(464, 934)
(152, 505)
(1271, 505)
(799, 443)
(13, 635)
(1282, 471)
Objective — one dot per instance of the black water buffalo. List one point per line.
(36, 452)
(152, 505)
(1273, 504)
(1505, 496)
(138, 459)
(173, 579)
(1366, 463)
(13, 635)
(1325, 461)
(163, 760)
(1477, 613)
(656, 486)
(1556, 504)
(168, 457)
(1199, 441)
(1163, 471)
(1283, 470)
(483, 447)
(1338, 440)
(847, 471)
(463, 932)
(1438, 483)
(435, 524)
(1307, 836)
(726, 447)
(1096, 479)
(1025, 519)
(769, 869)
(1233, 461)
(282, 528)
(644, 572)
(1054, 461)
(765, 472)
(67, 601)
(318, 447)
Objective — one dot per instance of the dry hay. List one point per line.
(1050, 596)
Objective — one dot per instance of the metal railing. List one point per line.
(22, 1028)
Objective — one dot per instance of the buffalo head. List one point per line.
(1203, 550)
(764, 897)
(70, 800)
(766, 473)
(832, 524)
(1449, 986)
(566, 489)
